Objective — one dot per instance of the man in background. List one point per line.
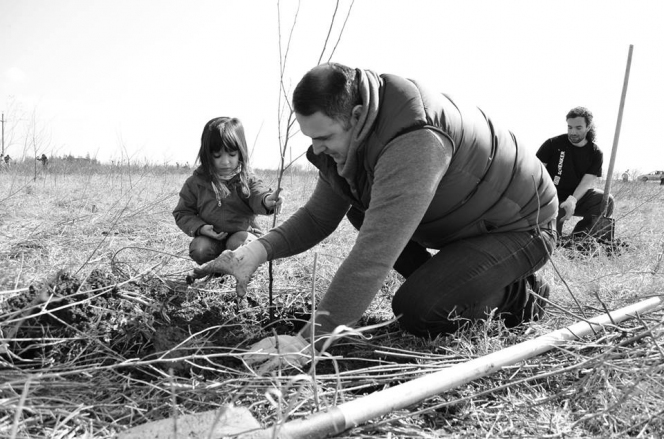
(574, 162)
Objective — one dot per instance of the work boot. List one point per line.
(534, 308)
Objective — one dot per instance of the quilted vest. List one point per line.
(492, 184)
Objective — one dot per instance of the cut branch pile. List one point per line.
(97, 356)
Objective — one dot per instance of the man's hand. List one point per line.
(208, 230)
(570, 206)
(241, 263)
(278, 352)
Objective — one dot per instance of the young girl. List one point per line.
(220, 201)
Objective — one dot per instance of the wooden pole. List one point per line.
(3, 134)
(358, 411)
(609, 174)
(239, 423)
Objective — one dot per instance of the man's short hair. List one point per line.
(588, 116)
(331, 89)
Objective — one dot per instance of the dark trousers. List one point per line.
(203, 249)
(589, 205)
(466, 279)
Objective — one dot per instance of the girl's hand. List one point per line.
(208, 230)
(274, 201)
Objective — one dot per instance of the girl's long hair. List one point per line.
(224, 134)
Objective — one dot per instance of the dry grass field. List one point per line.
(100, 333)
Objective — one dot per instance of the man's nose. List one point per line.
(318, 147)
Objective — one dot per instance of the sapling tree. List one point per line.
(286, 113)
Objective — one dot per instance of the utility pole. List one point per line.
(3, 134)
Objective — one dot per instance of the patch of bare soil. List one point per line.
(67, 320)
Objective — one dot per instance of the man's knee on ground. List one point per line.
(423, 321)
(417, 326)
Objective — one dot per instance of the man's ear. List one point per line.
(356, 113)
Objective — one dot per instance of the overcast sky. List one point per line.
(140, 78)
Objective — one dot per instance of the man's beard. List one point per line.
(575, 138)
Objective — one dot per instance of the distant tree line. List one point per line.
(71, 164)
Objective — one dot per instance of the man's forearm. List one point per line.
(587, 182)
(317, 219)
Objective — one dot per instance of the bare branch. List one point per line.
(341, 32)
(329, 31)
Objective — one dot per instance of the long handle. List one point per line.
(607, 188)
(358, 411)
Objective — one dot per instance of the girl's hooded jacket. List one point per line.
(199, 206)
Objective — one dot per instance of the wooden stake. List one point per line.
(616, 137)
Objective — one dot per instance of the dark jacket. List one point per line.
(492, 184)
(198, 205)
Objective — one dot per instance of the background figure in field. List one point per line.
(413, 169)
(625, 176)
(44, 160)
(574, 162)
(219, 202)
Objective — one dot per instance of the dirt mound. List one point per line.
(54, 319)
(66, 319)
